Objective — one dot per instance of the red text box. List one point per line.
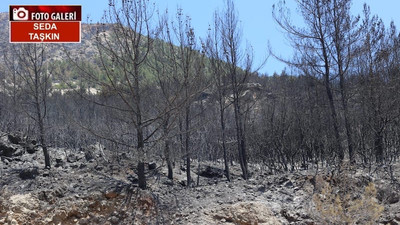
(45, 23)
(57, 32)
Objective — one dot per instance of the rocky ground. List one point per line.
(89, 187)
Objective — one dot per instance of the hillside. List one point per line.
(85, 52)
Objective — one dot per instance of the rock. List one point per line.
(393, 198)
(51, 196)
(29, 173)
(261, 189)
(99, 168)
(14, 222)
(289, 184)
(114, 220)
(212, 172)
(152, 166)
(282, 180)
(248, 187)
(30, 148)
(71, 158)
(388, 195)
(14, 139)
(94, 151)
(244, 213)
(74, 166)
(23, 203)
(82, 166)
(111, 194)
(6, 150)
(89, 156)
(289, 216)
(59, 163)
(59, 192)
(46, 173)
(133, 179)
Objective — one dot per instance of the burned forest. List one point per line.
(148, 121)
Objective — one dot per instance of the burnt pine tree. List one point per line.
(165, 69)
(314, 43)
(371, 64)
(34, 87)
(231, 35)
(189, 65)
(220, 80)
(124, 42)
(345, 34)
(128, 48)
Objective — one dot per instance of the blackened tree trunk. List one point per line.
(140, 148)
(327, 77)
(167, 150)
(187, 145)
(346, 35)
(223, 134)
(41, 110)
(230, 36)
(215, 53)
(378, 142)
(189, 65)
(337, 144)
(239, 131)
(42, 139)
(35, 87)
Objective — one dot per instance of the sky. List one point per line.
(259, 28)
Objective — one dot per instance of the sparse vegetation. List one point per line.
(341, 204)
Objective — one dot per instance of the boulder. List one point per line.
(14, 139)
(89, 156)
(133, 179)
(289, 184)
(24, 203)
(388, 195)
(244, 213)
(18, 209)
(393, 198)
(59, 162)
(212, 172)
(71, 158)
(7, 150)
(152, 166)
(30, 148)
(261, 189)
(29, 173)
